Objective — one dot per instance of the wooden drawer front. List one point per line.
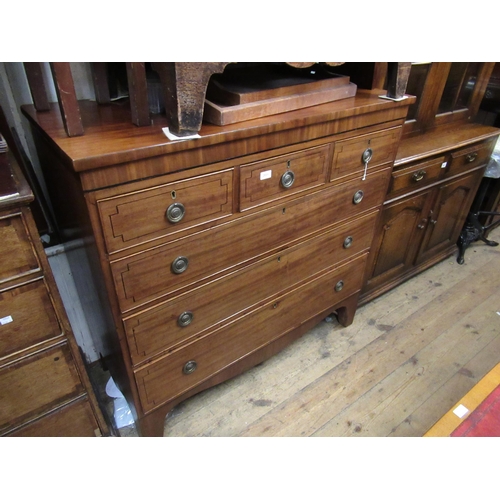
(148, 276)
(348, 154)
(137, 217)
(27, 317)
(36, 384)
(158, 329)
(73, 420)
(17, 255)
(165, 379)
(468, 158)
(416, 175)
(263, 181)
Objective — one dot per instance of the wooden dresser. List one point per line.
(215, 253)
(44, 389)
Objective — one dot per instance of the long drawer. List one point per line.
(165, 326)
(36, 384)
(181, 370)
(27, 317)
(155, 273)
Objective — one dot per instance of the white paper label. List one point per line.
(266, 175)
(7, 319)
(460, 411)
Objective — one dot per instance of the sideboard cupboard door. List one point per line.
(447, 215)
(400, 231)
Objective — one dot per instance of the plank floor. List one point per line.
(409, 356)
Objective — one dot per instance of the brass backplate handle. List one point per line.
(287, 179)
(471, 157)
(189, 367)
(179, 265)
(185, 318)
(348, 242)
(176, 212)
(418, 176)
(358, 196)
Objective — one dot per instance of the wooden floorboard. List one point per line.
(409, 356)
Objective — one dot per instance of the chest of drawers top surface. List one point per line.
(111, 139)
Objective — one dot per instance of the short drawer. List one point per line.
(182, 370)
(165, 326)
(18, 257)
(155, 273)
(27, 317)
(283, 176)
(417, 175)
(36, 384)
(349, 155)
(75, 419)
(136, 217)
(471, 157)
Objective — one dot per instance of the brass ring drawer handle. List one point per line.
(358, 196)
(189, 367)
(348, 242)
(179, 265)
(471, 157)
(287, 179)
(175, 212)
(185, 318)
(418, 176)
(339, 286)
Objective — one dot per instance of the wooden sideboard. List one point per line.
(433, 184)
(44, 388)
(215, 253)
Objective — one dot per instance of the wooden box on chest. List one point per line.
(217, 252)
(44, 389)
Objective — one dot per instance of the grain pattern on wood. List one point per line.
(66, 95)
(100, 80)
(36, 83)
(138, 92)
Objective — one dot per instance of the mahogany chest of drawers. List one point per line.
(215, 253)
(44, 389)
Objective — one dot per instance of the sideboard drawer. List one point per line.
(416, 175)
(471, 157)
(27, 317)
(165, 326)
(18, 256)
(348, 154)
(133, 218)
(181, 370)
(37, 383)
(149, 275)
(282, 176)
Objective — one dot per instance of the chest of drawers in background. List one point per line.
(215, 253)
(44, 389)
